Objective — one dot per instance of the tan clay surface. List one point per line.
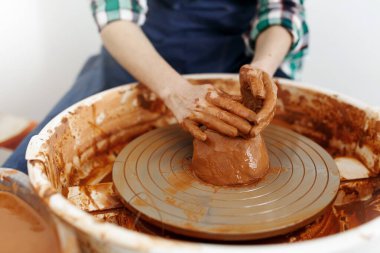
(22, 230)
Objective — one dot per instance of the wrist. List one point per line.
(265, 65)
(174, 86)
(175, 97)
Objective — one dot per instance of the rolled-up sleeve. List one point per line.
(107, 11)
(289, 14)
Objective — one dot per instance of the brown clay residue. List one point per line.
(64, 120)
(6, 173)
(119, 216)
(6, 176)
(192, 212)
(94, 197)
(139, 202)
(180, 181)
(321, 118)
(149, 101)
(358, 202)
(81, 148)
(341, 128)
(371, 140)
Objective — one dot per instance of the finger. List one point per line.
(270, 99)
(251, 79)
(191, 127)
(258, 89)
(246, 88)
(237, 98)
(222, 93)
(267, 115)
(231, 106)
(267, 112)
(214, 123)
(251, 87)
(258, 128)
(277, 83)
(231, 119)
(262, 123)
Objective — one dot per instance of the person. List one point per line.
(156, 41)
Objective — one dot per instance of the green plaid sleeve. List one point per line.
(107, 11)
(291, 15)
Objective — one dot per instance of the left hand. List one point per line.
(259, 93)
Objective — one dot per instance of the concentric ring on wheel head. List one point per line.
(153, 178)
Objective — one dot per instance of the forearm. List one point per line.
(131, 48)
(193, 106)
(271, 47)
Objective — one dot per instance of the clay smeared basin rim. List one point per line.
(362, 236)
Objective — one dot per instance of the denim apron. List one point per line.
(194, 36)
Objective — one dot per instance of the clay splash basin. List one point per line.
(70, 163)
(16, 191)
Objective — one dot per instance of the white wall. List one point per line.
(43, 45)
(345, 47)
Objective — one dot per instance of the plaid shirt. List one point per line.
(290, 14)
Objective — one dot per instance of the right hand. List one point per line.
(195, 106)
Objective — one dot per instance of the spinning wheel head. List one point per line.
(153, 178)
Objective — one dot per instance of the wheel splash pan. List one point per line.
(63, 157)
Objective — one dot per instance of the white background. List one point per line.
(43, 45)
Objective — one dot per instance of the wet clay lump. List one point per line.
(226, 161)
(222, 160)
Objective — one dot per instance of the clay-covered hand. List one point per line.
(259, 93)
(195, 106)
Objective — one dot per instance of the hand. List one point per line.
(259, 93)
(202, 105)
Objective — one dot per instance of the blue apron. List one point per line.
(194, 36)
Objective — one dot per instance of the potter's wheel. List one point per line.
(153, 178)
